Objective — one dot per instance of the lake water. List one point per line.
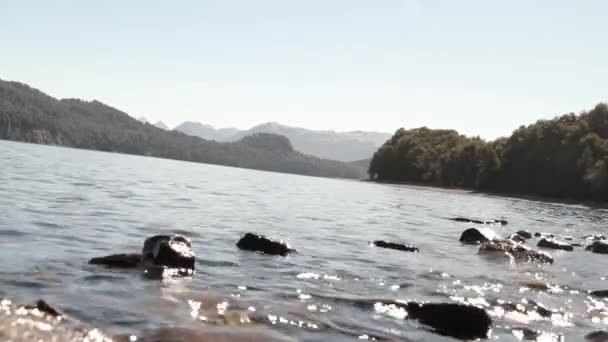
(60, 207)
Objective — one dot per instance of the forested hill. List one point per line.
(566, 157)
(29, 115)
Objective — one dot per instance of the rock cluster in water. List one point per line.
(165, 251)
(450, 319)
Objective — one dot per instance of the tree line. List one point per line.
(565, 157)
(28, 115)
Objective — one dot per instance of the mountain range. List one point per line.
(29, 115)
(342, 146)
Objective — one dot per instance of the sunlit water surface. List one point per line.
(61, 207)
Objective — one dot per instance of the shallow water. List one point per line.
(61, 207)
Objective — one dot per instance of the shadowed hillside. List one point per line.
(28, 115)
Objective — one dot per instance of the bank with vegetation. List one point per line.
(566, 157)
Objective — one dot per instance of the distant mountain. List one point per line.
(347, 146)
(28, 115)
(197, 129)
(161, 125)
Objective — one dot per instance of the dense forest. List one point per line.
(29, 115)
(565, 157)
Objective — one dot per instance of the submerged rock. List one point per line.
(260, 243)
(477, 235)
(119, 260)
(468, 220)
(598, 246)
(396, 246)
(544, 235)
(594, 237)
(213, 334)
(455, 320)
(597, 336)
(514, 250)
(517, 238)
(555, 244)
(524, 234)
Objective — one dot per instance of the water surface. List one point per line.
(61, 207)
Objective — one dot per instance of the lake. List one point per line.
(60, 207)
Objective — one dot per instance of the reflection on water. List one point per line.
(61, 207)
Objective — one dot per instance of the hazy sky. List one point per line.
(482, 67)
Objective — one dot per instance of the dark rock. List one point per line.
(174, 254)
(119, 260)
(151, 243)
(597, 336)
(260, 243)
(555, 244)
(524, 234)
(600, 293)
(44, 307)
(477, 235)
(567, 238)
(397, 246)
(514, 250)
(468, 220)
(455, 320)
(517, 238)
(598, 246)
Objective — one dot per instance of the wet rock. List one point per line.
(525, 334)
(160, 250)
(517, 238)
(396, 246)
(477, 235)
(544, 235)
(555, 244)
(597, 336)
(598, 246)
(594, 237)
(174, 253)
(260, 243)
(44, 307)
(468, 220)
(600, 293)
(567, 238)
(151, 243)
(514, 250)
(524, 234)
(455, 320)
(119, 260)
(39, 323)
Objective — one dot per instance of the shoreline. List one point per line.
(539, 198)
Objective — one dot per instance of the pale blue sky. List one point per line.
(482, 67)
